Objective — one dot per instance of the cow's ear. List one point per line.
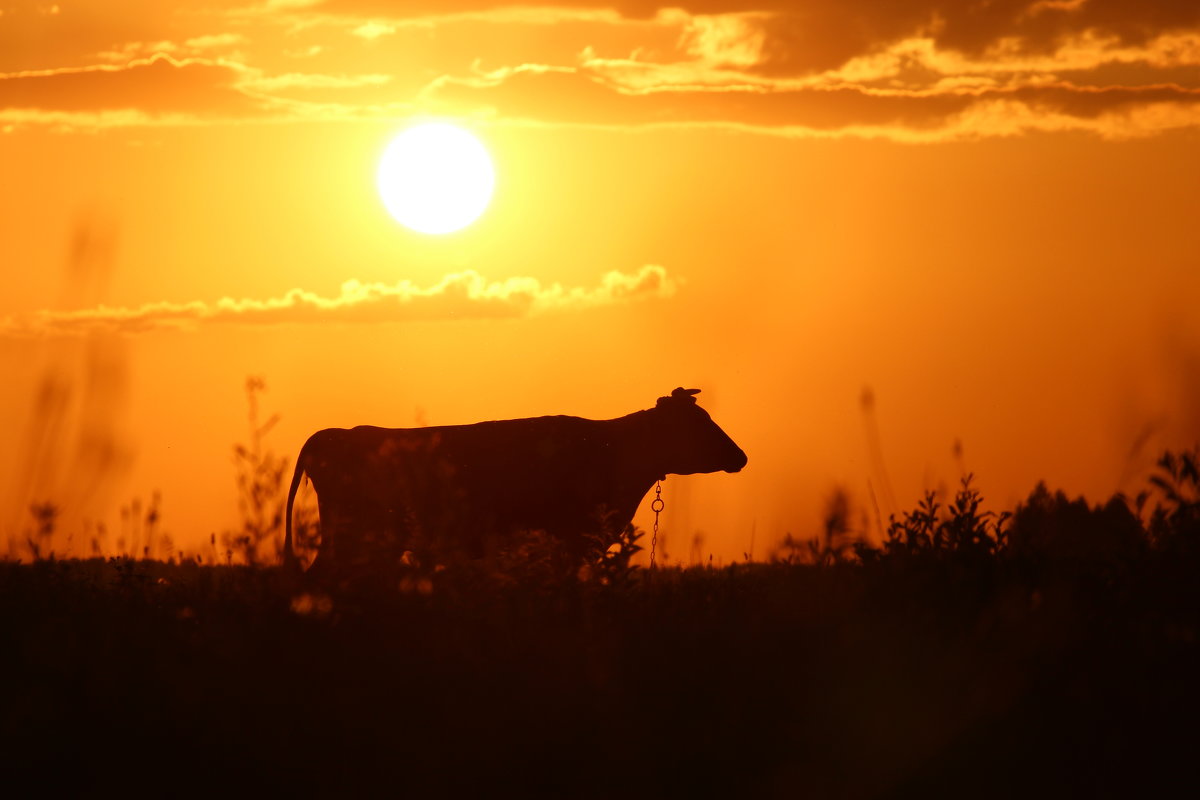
(680, 394)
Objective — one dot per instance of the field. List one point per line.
(1051, 653)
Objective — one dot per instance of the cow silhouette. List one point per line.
(460, 491)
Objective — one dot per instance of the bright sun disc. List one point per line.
(435, 178)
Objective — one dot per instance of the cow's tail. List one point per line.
(290, 563)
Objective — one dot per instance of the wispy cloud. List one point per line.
(910, 71)
(947, 111)
(160, 84)
(373, 30)
(912, 63)
(164, 90)
(461, 295)
(301, 80)
(215, 40)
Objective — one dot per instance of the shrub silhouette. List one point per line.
(262, 491)
(1175, 522)
(960, 532)
(1052, 531)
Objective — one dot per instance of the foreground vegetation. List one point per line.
(1051, 653)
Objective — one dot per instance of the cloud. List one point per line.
(909, 70)
(812, 35)
(724, 57)
(150, 86)
(302, 80)
(395, 15)
(212, 40)
(165, 90)
(947, 111)
(461, 295)
(373, 30)
(194, 46)
(724, 39)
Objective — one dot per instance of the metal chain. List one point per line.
(657, 506)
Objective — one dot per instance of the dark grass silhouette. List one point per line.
(440, 494)
(1050, 653)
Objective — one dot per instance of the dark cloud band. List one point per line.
(462, 295)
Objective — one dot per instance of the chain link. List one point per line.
(657, 506)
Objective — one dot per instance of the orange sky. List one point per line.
(985, 213)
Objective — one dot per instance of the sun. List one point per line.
(436, 178)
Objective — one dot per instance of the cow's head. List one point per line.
(690, 441)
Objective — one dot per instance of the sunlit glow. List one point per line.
(436, 178)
